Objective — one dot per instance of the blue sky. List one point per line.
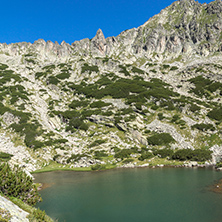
(70, 20)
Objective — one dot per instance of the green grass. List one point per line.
(53, 166)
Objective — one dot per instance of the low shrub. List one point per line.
(160, 116)
(124, 70)
(127, 161)
(173, 68)
(76, 123)
(166, 66)
(136, 70)
(89, 68)
(52, 80)
(194, 108)
(39, 214)
(145, 155)
(15, 183)
(63, 75)
(160, 139)
(78, 103)
(100, 154)
(219, 165)
(5, 156)
(125, 153)
(216, 114)
(56, 156)
(99, 104)
(163, 153)
(194, 155)
(75, 157)
(97, 143)
(38, 75)
(203, 127)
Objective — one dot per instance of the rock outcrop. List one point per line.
(16, 213)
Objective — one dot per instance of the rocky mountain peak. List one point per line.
(99, 43)
(100, 35)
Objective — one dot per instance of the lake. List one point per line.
(132, 195)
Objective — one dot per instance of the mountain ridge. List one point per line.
(181, 28)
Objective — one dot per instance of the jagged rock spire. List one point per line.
(99, 36)
(99, 41)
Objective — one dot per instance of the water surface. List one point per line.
(132, 195)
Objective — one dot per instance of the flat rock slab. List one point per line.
(18, 215)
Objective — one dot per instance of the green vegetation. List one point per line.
(145, 155)
(75, 157)
(194, 155)
(134, 91)
(15, 183)
(38, 216)
(97, 143)
(5, 215)
(98, 167)
(5, 157)
(176, 119)
(74, 120)
(100, 154)
(78, 103)
(136, 70)
(99, 104)
(76, 123)
(29, 130)
(8, 75)
(16, 92)
(159, 139)
(163, 153)
(166, 66)
(38, 75)
(63, 75)
(160, 116)
(127, 161)
(203, 86)
(203, 127)
(194, 108)
(216, 114)
(90, 69)
(173, 68)
(25, 127)
(219, 164)
(52, 80)
(125, 153)
(124, 70)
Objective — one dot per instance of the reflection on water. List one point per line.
(161, 194)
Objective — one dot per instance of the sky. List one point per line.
(71, 20)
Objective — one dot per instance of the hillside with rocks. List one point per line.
(149, 96)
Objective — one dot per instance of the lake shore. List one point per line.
(60, 167)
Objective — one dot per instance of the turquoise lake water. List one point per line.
(132, 195)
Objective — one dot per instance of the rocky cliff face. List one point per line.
(184, 28)
(119, 100)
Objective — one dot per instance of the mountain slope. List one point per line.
(151, 95)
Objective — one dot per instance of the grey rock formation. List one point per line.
(9, 118)
(183, 28)
(18, 215)
(217, 153)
